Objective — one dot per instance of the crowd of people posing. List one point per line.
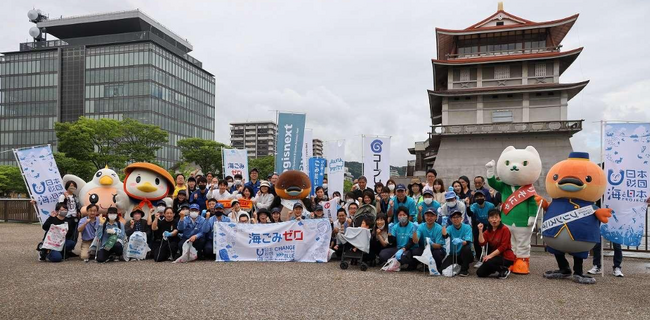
(403, 220)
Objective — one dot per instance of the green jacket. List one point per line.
(518, 215)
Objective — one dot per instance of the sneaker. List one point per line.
(42, 255)
(116, 259)
(504, 274)
(86, 260)
(463, 273)
(594, 270)
(478, 264)
(618, 272)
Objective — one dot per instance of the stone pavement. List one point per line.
(73, 289)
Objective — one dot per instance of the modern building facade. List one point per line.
(258, 138)
(113, 65)
(317, 147)
(497, 83)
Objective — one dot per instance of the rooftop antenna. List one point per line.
(35, 16)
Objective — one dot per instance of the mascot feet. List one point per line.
(557, 274)
(521, 266)
(583, 279)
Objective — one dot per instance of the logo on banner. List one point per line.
(376, 148)
(336, 165)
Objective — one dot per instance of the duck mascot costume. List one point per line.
(104, 190)
(292, 186)
(145, 183)
(516, 171)
(572, 220)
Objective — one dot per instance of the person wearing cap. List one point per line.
(318, 212)
(478, 211)
(452, 204)
(218, 215)
(264, 197)
(402, 200)
(212, 203)
(110, 237)
(192, 229)
(200, 196)
(180, 199)
(58, 217)
(363, 186)
(297, 212)
(236, 211)
(430, 232)
(428, 203)
(499, 248)
(138, 224)
(263, 215)
(460, 244)
(165, 236)
(276, 213)
(254, 183)
(415, 190)
(402, 231)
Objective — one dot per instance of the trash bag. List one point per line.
(452, 270)
(427, 259)
(137, 246)
(55, 237)
(189, 253)
(392, 265)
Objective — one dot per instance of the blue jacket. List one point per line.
(465, 233)
(481, 214)
(584, 229)
(208, 226)
(409, 203)
(201, 200)
(192, 228)
(435, 233)
(255, 186)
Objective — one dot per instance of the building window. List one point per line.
(499, 23)
(464, 75)
(540, 70)
(502, 72)
(502, 116)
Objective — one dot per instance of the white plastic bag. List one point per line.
(137, 246)
(454, 268)
(427, 259)
(392, 265)
(55, 238)
(189, 253)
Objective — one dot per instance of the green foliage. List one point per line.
(80, 168)
(347, 186)
(204, 153)
(354, 168)
(11, 180)
(265, 165)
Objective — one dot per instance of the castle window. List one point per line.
(540, 70)
(502, 116)
(502, 72)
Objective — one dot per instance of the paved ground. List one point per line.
(74, 289)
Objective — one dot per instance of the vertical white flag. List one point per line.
(335, 153)
(235, 161)
(307, 151)
(376, 159)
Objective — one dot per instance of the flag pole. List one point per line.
(602, 198)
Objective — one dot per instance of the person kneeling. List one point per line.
(58, 217)
(431, 231)
(110, 237)
(165, 236)
(402, 233)
(500, 256)
(461, 244)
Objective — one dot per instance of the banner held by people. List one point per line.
(376, 159)
(41, 176)
(334, 153)
(291, 127)
(235, 161)
(301, 241)
(317, 172)
(626, 158)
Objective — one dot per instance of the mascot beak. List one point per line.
(293, 191)
(571, 184)
(106, 181)
(147, 187)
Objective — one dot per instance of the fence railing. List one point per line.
(507, 127)
(18, 210)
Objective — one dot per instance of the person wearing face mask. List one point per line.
(403, 232)
(451, 205)
(88, 229)
(478, 211)
(208, 229)
(165, 236)
(237, 184)
(461, 242)
(430, 231)
(74, 206)
(428, 203)
(58, 217)
(200, 196)
(192, 229)
(402, 200)
(391, 185)
(111, 237)
(325, 185)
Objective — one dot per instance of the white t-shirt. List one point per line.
(72, 204)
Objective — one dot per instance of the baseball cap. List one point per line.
(318, 208)
(276, 209)
(195, 206)
(400, 187)
(431, 211)
(218, 206)
(428, 191)
(185, 205)
(297, 204)
(456, 213)
(450, 195)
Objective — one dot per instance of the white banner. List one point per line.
(376, 159)
(307, 151)
(335, 153)
(235, 161)
(42, 178)
(303, 241)
(330, 207)
(626, 158)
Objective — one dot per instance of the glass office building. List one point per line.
(115, 65)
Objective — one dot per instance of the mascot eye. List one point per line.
(525, 163)
(157, 181)
(98, 174)
(507, 162)
(138, 179)
(93, 198)
(114, 198)
(555, 176)
(588, 179)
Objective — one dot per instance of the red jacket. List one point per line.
(499, 239)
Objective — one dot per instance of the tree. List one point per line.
(140, 141)
(204, 153)
(11, 180)
(67, 165)
(265, 165)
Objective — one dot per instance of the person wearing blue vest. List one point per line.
(461, 244)
(192, 229)
(208, 228)
(430, 232)
(401, 200)
(401, 233)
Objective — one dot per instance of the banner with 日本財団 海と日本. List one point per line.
(302, 241)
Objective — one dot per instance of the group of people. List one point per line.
(404, 219)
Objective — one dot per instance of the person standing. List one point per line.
(255, 182)
(165, 236)
(88, 229)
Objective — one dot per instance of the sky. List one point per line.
(364, 66)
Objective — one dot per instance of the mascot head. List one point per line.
(576, 178)
(293, 184)
(102, 190)
(519, 167)
(147, 181)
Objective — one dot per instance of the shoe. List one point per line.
(521, 266)
(618, 273)
(594, 270)
(42, 255)
(86, 260)
(557, 274)
(478, 264)
(463, 273)
(583, 279)
(504, 274)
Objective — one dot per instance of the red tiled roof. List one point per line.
(528, 24)
(501, 58)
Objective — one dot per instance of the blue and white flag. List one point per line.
(291, 131)
(335, 154)
(627, 157)
(42, 177)
(316, 172)
(302, 241)
(235, 161)
(376, 160)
